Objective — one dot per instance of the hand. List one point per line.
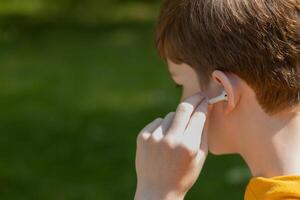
(171, 152)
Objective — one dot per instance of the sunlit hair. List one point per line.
(258, 40)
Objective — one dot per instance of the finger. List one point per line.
(183, 114)
(203, 151)
(195, 127)
(147, 131)
(161, 130)
(204, 143)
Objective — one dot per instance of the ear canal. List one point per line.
(217, 80)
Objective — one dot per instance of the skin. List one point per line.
(171, 151)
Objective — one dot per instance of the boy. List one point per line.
(251, 50)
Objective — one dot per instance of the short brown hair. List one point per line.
(258, 40)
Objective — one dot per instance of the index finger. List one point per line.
(196, 124)
(183, 114)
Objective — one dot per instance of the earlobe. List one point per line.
(229, 84)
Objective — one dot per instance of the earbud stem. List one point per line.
(222, 97)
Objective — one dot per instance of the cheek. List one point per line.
(190, 89)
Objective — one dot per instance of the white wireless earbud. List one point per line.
(222, 97)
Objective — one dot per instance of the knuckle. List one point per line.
(179, 147)
(156, 137)
(168, 144)
(153, 140)
(142, 137)
(170, 141)
(191, 154)
(186, 150)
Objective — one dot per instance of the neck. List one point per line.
(273, 149)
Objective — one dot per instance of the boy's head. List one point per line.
(249, 48)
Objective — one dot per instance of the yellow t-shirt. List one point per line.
(279, 187)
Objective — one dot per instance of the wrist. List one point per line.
(157, 195)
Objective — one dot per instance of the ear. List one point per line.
(229, 83)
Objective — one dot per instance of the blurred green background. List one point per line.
(78, 80)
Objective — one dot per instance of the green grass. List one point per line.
(72, 100)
